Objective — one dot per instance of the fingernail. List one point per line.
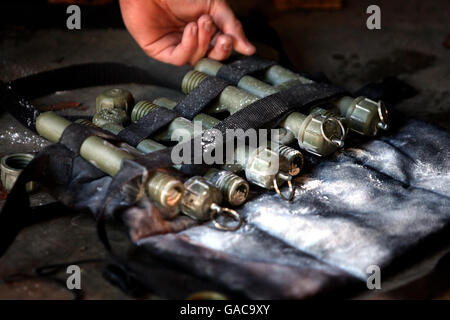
(194, 30)
(226, 46)
(208, 26)
(250, 47)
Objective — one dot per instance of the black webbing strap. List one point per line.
(79, 76)
(199, 98)
(16, 212)
(263, 113)
(233, 72)
(75, 134)
(269, 111)
(17, 106)
(146, 126)
(14, 95)
(194, 103)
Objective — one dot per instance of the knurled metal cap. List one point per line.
(11, 166)
(114, 98)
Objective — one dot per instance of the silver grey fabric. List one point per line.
(364, 206)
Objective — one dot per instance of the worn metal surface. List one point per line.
(337, 43)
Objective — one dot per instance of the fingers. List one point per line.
(224, 18)
(178, 53)
(222, 48)
(206, 29)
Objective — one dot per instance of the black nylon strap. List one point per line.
(194, 103)
(233, 72)
(79, 76)
(16, 213)
(264, 113)
(17, 106)
(269, 111)
(199, 98)
(156, 119)
(14, 95)
(75, 134)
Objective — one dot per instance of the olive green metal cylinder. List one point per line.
(316, 134)
(277, 75)
(207, 121)
(114, 98)
(97, 151)
(11, 166)
(165, 189)
(208, 66)
(51, 126)
(141, 109)
(294, 157)
(263, 166)
(103, 154)
(326, 113)
(364, 116)
(165, 102)
(191, 80)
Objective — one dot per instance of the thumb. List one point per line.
(225, 19)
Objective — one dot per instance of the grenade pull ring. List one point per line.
(217, 211)
(383, 115)
(287, 178)
(337, 140)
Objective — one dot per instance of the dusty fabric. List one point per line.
(364, 206)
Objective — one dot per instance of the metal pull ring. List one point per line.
(291, 189)
(383, 115)
(217, 210)
(339, 142)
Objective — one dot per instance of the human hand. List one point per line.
(184, 31)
